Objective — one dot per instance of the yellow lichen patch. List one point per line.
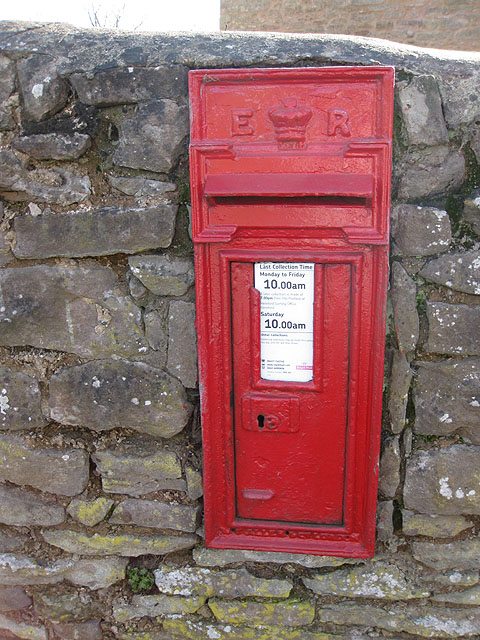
(89, 512)
(290, 613)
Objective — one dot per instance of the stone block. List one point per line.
(429, 172)
(182, 342)
(434, 526)
(468, 597)
(447, 398)
(80, 310)
(286, 613)
(62, 471)
(20, 401)
(453, 329)
(381, 580)
(90, 630)
(18, 569)
(138, 466)
(66, 606)
(385, 521)
(389, 473)
(141, 187)
(94, 233)
(89, 512)
(459, 555)
(154, 607)
(223, 557)
(156, 514)
(459, 271)
(13, 599)
(459, 93)
(452, 578)
(156, 331)
(97, 573)
(53, 146)
(6, 254)
(146, 398)
(21, 508)
(400, 379)
(122, 544)
(23, 629)
(420, 231)
(194, 483)
(444, 481)
(421, 109)
(130, 85)
(43, 91)
(153, 137)
(163, 275)
(7, 87)
(41, 184)
(471, 208)
(226, 583)
(404, 302)
(11, 541)
(425, 621)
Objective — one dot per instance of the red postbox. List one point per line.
(290, 174)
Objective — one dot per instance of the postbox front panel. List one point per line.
(290, 197)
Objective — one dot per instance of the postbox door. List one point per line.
(290, 437)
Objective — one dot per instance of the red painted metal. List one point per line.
(291, 166)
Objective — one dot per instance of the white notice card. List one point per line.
(286, 320)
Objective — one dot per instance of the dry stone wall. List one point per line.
(100, 452)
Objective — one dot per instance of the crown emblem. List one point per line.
(290, 122)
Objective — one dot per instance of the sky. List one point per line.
(138, 15)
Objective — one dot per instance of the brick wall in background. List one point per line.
(442, 24)
(100, 452)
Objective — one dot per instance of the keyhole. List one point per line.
(261, 421)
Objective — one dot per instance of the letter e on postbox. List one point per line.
(290, 176)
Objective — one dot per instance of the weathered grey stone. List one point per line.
(63, 471)
(7, 86)
(194, 483)
(19, 401)
(140, 187)
(182, 342)
(6, 254)
(459, 271)
(155, 606)
(13, 599)
(429, 172)
(460, 97)
(421, 109)
(381, 580)
(389, 474)
(130, 85)
(66, 606)
(136, 288)
(90, 630)
(156, 514)
(122, 544)
(222, 557)
(226, 583)
(461, 554)
(53, 146)
(470, 596)
(143, 635)
(11, 541)
(400, 379)
(138, 466)
(53, 184)
(405, 314)
(97, 573)
(43, 91)
(422, 524)
(447, 398)
(203, 630)
(24, 509)
(146, 398)
(420, 231)
(444, 481)
(453, 578)
(163, 275)
(23, 570)
(471, 209)
(384, 520)
(453, 328)
(156, 331)
(23, 629)
(425, 621)
(153, 137)
(286, 613)
(89, 512)
(94, 233)
(75, 309)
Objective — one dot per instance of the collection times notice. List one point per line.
(286, 320)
